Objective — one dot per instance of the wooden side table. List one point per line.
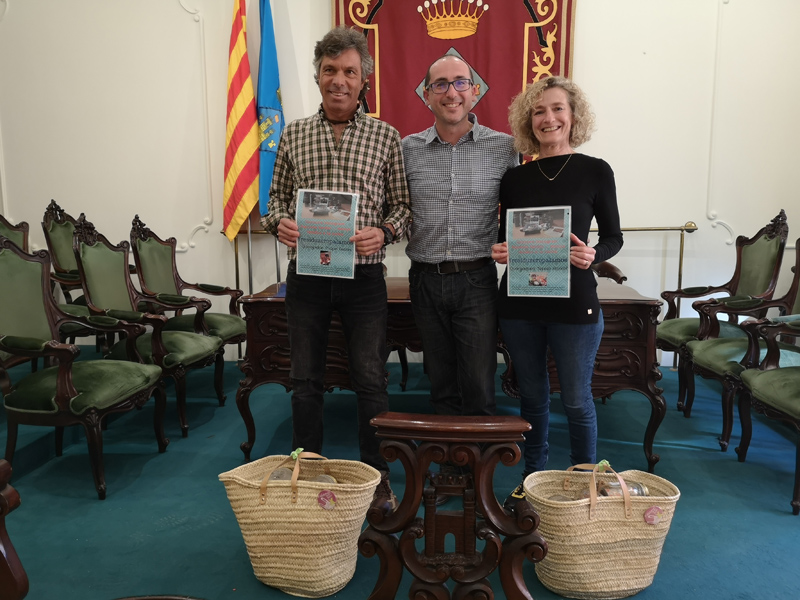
(477, 444)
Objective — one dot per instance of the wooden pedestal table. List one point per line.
(476, 445)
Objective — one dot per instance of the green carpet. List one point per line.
(167, 528)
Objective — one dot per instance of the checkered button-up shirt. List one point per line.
(455, 192)
(367, 161)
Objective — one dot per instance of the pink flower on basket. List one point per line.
(653, 515)
(326, 499)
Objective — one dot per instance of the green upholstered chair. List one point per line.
(158, 274)
(772, 389)
(18, 234)
(58, 227)
(724, 359)
(758, 263)
(73, 392)
(108, 289)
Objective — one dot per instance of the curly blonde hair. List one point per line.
(519, 114)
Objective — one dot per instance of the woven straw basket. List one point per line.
(603, 546)
(307, 547)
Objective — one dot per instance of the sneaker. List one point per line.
(514, 497)
(385, 493)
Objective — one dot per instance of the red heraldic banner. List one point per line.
(508, 43)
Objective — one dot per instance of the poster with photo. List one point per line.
(327, 221)
(538, 251)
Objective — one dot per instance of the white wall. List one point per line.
(117, 107)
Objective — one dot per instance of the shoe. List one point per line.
(385, 493)
(514, 497)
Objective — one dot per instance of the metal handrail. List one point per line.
(689, 227)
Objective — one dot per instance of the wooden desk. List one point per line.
(626, 359)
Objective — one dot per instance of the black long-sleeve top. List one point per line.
(587, 185)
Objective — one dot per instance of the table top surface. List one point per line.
(397, 289)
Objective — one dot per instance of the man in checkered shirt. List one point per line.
(454, 170)
(340, 148)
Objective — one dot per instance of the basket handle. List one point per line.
(295, 456)
(605, 466)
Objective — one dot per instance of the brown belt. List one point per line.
(451, 266)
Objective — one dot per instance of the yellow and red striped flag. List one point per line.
(242, 136)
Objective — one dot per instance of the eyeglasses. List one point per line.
(459, 85)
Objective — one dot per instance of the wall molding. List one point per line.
(197, 16)
(711, 212)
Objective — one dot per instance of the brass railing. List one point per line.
(689, 227)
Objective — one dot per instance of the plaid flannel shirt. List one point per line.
(368, 161)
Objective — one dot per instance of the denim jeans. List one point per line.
(361, 304)
(574, 348)
(456, 317)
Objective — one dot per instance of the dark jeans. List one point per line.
(456, 317)
(574, 348)
(361, 304)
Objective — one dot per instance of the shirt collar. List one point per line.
(473, 134)
(356, 117)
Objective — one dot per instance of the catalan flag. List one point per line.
(270, 108)
(242, 136)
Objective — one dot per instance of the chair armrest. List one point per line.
(689, 292)
(217, 290)
(770, 330)
(179, 304)
(610, 271)
(64, 354)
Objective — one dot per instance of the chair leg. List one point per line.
(685, 369)
(180, 394)
(11, 439)
(729, 389)
(219, 373)
(746, 419)
(59, 440)
(681, 385)
(160, 397)
(94, 439)
(403, 356)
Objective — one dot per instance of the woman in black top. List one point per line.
(549, 120)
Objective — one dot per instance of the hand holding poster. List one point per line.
(327, 221)
(538, 251)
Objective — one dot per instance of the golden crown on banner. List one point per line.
(451, 23)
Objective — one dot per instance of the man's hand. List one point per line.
(369, 240)
(288, 232)
(500, 253)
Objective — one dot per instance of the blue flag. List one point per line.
(270, 109)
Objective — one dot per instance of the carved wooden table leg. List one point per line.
(477, 444)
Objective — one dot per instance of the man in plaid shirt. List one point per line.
(341, 149)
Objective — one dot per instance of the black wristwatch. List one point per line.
(388, 236)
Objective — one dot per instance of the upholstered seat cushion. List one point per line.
(221, 325)
(76, 310)
(99, 383)
(722, 355)
(776, 388)
(182, 348)
(677, 332)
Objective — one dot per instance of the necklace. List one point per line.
(559, 171)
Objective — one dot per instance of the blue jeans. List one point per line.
(456, 318)
(362, 306)
(574, 348)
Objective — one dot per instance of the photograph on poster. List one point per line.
(327, 221)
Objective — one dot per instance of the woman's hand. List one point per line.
(580, 255)
(500, 253)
